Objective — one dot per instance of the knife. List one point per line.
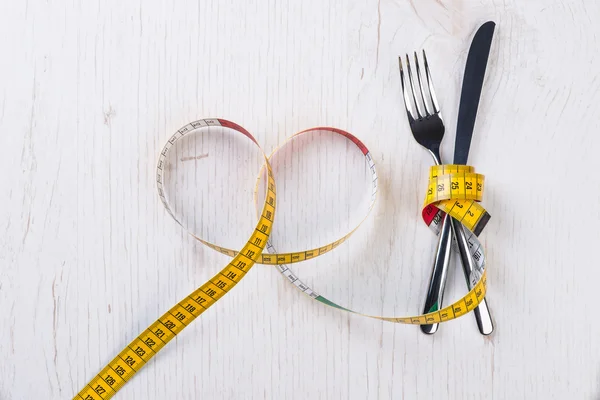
(467, 113)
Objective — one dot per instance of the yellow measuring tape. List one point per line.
(453, 189)
(456, 190)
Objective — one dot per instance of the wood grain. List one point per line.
(88, 258)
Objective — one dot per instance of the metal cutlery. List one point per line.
(428, 129)
(467, 113)
(427, 126)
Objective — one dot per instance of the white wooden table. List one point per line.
(91, 90)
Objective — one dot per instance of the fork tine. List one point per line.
(412, 87)
(436, 107)
(426, 107)
(408, 104)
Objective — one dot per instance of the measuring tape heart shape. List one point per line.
(457, 199)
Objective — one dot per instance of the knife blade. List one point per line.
(467, 113)
(471, 90)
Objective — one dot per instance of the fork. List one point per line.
(427, 126)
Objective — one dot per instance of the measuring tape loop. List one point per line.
(457, 191)
(131, 359)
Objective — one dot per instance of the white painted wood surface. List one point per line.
(90, 91)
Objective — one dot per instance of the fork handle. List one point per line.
(482, 312)
(437, 281)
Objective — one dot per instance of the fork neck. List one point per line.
(435, 153)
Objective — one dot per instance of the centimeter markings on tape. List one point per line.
(131, 359)
(157, 335)
(458, 189)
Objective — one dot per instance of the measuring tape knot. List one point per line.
(457, 191)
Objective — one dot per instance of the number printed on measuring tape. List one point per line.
(453, 189)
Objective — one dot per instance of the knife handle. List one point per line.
(439, 273)
(482, 312)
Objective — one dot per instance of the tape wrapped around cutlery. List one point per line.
(453, 189)
(456, 190)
